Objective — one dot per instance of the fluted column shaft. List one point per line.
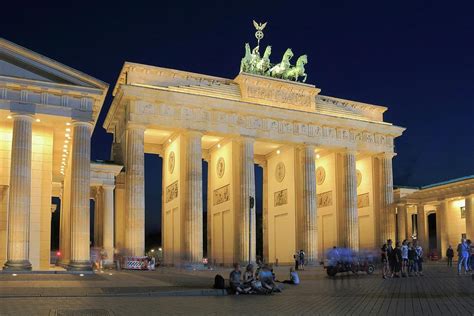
(442, 218)
(193, 211)
(247, 223)
(310, 233)
(469, 216)
(108, 221)
(135, 191)
(387, 214)
(20, 195)
(350, 219)
(98, 216)
(422, 237)
(402, 221)
(80, 196)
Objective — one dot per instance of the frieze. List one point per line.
(268, 125)
(172, 191)
(280, 197)
(324, 199)
(363, 200)
(222, 194)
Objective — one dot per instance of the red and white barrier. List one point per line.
(135, 263)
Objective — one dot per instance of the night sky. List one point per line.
(415, 57)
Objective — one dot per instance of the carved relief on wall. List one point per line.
(363, 200)
(172, 191)
(222, 194)
(325, 199)
(280, 171)
(220, 167)
(280, 197)
(171, 162)
(359, 177)
(320, 175)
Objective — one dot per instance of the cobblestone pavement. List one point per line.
(440, 291)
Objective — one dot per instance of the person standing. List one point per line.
(411, 259)
(450, 255)
(404, 253)
(302, 255)
(384, 260)
(391, 257)
(296, 256)
(418, 259)
(465, 250)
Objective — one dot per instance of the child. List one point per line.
(294, 278)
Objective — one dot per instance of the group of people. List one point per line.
(261, 282)
(299, 257)
(403, 260)
(465, 252)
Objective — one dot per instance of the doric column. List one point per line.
(135, 191)
(20, 195)
(265, 212)
(246, 224)
(469, 216)
(98, 216)
(193, 211)
(310, 233)
(387, 212)
(80, 196)
(119, 210)
(442, 218)
(108, 221)
(402, 221)
(421, 236)
(349, 212)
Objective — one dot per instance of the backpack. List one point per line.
(219, 282)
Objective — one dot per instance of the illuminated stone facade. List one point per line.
(47, 113)
(438, 215)
(326, 164)
(321, 156)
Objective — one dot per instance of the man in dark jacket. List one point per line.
(450, 255)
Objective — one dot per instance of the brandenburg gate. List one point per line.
(327, 162)
(327, 165)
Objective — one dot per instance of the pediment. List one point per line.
(19, 63)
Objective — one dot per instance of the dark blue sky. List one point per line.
(416, 57)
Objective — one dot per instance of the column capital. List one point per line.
(387, 155)
(108, 186)
(22, 116)
(194, 133)
(135, 126)
(243, 138)
(82, 123)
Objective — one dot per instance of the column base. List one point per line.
(79, 266)
(17, 265)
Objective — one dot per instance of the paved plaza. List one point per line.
(168, 291)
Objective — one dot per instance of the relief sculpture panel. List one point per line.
(363, 200)
(325, 199)
(172, 191)
(280, 197)
(222, 194)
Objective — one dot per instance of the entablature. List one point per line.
(165, 109)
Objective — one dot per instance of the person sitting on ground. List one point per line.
(266, 277)
(234, 281)
(294, 277)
